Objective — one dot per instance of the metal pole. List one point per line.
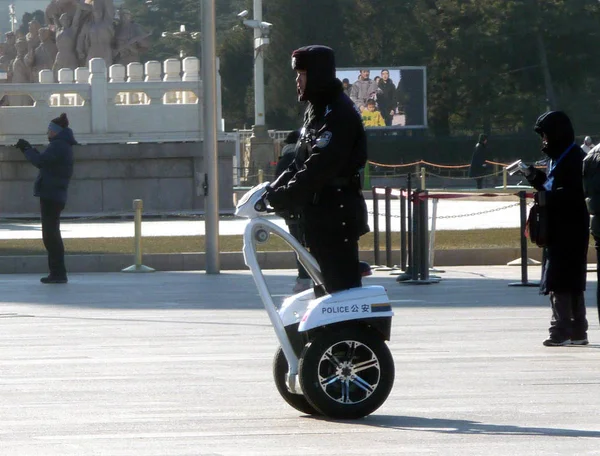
(388, 227)
(523, 210)
(259, 69)
(409, 224)
(432, 233)
(416, 237)
(376, 227)
(209, 84)
(423, 229)
(403, 229)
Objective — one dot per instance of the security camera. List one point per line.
(265, 25)
(243, 14)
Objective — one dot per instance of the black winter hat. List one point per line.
(558, 129)
(62, 121)
(319, 63)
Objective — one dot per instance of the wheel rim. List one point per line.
(349, 372)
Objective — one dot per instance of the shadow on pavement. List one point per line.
(237, 290)
(448, 426)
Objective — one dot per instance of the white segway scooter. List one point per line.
(333, 359)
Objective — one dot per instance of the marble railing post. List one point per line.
(99, 87)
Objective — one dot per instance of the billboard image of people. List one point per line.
(388, 97)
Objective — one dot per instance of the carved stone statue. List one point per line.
(66, 41)
(33, 41)
(33, 37)
(57, 8)
(8, 55)
(96, 37)
(21, 73)
(45, 54)
(131, 39)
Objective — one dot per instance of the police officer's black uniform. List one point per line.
(324, 179)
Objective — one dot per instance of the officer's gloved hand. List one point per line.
(22, 145)
(274, 199)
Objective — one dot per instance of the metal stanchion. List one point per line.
(138, 205)
(407, 266)
(403, 229)
(420, 274)
(434, 206)
(388, 227)
(375, 227)
(524, 261)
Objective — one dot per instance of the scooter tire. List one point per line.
(297, 401)
(347, 373)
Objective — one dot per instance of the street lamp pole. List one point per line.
(259, 68)
(211, 170)
(13, 17)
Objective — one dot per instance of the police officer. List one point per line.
(323, 181)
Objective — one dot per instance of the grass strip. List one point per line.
(444, 240)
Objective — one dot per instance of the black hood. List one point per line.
(319, 64)
(559, 131)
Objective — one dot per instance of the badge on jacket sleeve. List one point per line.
(323, 140)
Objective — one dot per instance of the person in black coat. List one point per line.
(324, 179)
(56, 168)
(477, 169)
(591, 188)
(386, 97)
(564, 269)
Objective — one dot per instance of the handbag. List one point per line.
(536, 227)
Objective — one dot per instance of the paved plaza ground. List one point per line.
(180, 364)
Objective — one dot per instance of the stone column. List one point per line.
(153, 74)
(82, 76)
(117, 74)
(172, 70)
(65, 76)
(191, 73)
(99, 83)
(135, 73)
(47, 77)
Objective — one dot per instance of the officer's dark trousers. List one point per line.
(51, 235)
(296, 231)
(338, 260)
(597, 241)
(568, 316)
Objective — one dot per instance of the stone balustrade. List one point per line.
(139, 103)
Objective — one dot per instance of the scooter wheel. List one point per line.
(346, 374)
(297, 401)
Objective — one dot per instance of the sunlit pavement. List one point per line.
(180, 364)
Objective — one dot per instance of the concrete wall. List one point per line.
(168, 177)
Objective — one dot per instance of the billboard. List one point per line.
(388, 97)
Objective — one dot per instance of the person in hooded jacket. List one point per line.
(477, 168)
(324, 182)
(56, 168)
(564, 269)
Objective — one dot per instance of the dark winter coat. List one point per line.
(323, 180)
(55, 165)
(591, 188)
(477, 168)
(568, 219)
(386, 98)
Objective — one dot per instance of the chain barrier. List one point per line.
(464, 178)
(473, 214)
